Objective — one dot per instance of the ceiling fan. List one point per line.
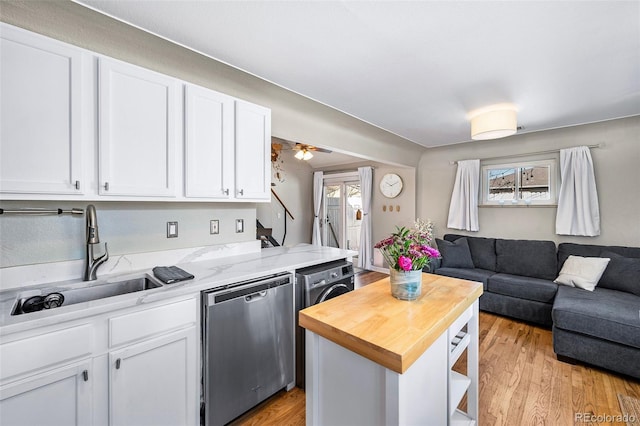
(303, 151)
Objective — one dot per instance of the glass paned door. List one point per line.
(342, 215)
(331, 232)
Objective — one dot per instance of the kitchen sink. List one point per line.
(54, 297)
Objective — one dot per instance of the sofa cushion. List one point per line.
(582, 272)
(603, 313)
(529, 258)
(455, 254)
(483, 250)
(586, 250)
(479, 275)
(622, 273)
(523, 287)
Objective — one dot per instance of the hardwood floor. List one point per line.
(521, 382)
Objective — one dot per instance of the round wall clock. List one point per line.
(391, 185)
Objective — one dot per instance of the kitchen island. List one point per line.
(374, 360)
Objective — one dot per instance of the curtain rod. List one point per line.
(337, 172)
(550, 151)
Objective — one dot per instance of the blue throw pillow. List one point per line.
(455, 254)
(622, 273)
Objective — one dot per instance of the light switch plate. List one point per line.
(214, 226)
(239, 225)
(172, 229)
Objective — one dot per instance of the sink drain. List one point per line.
(38, 303)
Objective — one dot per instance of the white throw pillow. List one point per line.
(582, 272)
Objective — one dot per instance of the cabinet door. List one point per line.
(138, 115)
(40, 147)
(253, 152)
(209, 135)
(57, 397)
(155, 382)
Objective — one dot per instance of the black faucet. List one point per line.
(93, 238)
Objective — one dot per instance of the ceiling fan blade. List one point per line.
(315, 148)
(298, 146)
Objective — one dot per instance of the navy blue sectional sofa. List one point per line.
(601, 327)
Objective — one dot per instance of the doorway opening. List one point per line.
(342, 211)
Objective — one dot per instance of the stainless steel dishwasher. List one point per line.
(248, 347)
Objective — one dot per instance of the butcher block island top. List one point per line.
(393, 333)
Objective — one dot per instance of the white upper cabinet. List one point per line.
(138, 122)
(253, 152)
(209, 143)
(40, 114)
(76, 125)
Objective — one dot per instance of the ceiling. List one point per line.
(418, 68)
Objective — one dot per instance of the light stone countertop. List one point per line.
(208, 274)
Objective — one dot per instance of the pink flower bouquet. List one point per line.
(409, 249)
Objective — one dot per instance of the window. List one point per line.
(527, 183)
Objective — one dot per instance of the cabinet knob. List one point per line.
(118, 361)
(106, 186)
(85, 375)
(226, 191)
(241, 191)
(77, 185)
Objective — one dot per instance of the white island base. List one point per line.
(344, 388)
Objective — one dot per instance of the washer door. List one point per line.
(332, 291)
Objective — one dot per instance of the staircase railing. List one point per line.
(265, 234)
(287, 212)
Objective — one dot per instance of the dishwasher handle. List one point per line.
(255, 296)
(253, 289)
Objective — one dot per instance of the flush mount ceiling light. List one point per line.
(493, 122)
(303, 154)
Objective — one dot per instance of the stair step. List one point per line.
(263, 232)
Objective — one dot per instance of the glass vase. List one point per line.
(405, 285)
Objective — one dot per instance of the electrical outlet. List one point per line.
(214, 226)
(239, 225)
(172, 229)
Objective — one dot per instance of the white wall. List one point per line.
(295, 189)
(617, 179)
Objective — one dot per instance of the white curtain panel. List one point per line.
(365, 252)
(463, 210)
(578, 212)
(316, 238)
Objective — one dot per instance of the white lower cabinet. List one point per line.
(138, 366)
(153, 382)
(61, 396)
